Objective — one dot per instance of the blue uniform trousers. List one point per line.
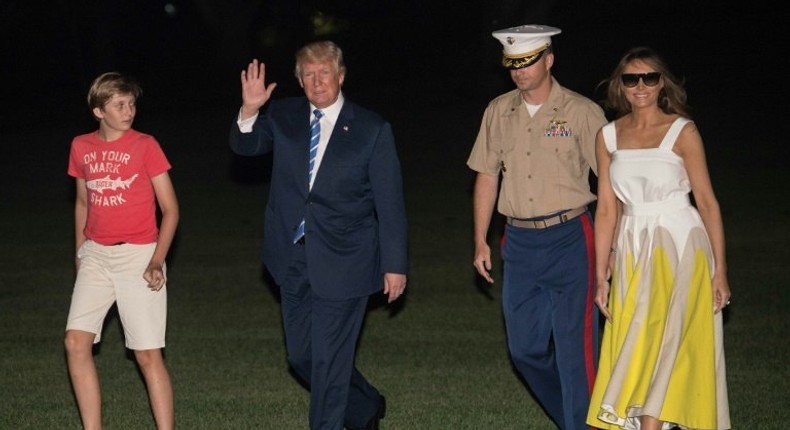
(551, 320)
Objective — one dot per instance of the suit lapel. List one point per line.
(299, 125)
(341, 136)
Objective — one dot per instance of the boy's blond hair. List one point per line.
(109, 84)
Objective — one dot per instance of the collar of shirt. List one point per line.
(551, 105)
(330, 112)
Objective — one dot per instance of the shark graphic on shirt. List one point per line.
(105, 183)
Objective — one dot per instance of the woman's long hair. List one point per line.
(671, 99)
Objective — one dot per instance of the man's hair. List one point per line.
(109, 84)
(319, 52)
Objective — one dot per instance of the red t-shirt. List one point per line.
(121, 199)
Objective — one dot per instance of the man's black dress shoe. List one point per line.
(373, 424)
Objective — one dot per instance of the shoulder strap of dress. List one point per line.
(610, 137)
(674, 132)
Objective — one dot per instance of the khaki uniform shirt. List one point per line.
(544, 160)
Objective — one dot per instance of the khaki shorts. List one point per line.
(114, 274)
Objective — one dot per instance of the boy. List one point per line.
(121, 176)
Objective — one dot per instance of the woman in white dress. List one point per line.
(662, 356)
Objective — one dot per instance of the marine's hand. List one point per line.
(394, 286)
(254, 92)
(483, 262)
(721, 293)
(155, 276)
(602, 298)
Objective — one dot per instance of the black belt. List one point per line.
(547, 222)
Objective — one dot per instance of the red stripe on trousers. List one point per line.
(589, 360)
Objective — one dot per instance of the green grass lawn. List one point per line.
(439, 355)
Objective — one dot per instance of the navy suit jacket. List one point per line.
(355, 218)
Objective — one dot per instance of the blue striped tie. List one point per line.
(315, 136)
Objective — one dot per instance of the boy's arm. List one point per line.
(168, 204)
(80, 216)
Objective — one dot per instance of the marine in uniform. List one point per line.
(533, 156)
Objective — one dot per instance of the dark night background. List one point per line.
(187, 54)
(407, 59)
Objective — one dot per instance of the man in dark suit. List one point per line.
(335, 229)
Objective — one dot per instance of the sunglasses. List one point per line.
(631, 80)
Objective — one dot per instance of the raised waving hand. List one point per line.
(254, 92)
